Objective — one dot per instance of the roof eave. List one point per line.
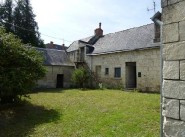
(118, 51)
(63, 65)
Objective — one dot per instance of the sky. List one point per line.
(64, 21)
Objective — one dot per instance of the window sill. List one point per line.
(117, 78)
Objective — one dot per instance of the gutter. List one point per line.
(118, 51)
(156, 20)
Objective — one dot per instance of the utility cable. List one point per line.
(36, 32)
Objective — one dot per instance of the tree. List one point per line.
(20, 67)
(6, 14)
(80, 76)
(19, 19)
(24, 17)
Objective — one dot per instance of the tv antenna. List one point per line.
(154, 7)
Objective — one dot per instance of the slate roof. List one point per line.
(126, 40)
(74, 45)
(55, 57)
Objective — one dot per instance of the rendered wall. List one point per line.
(173, 92)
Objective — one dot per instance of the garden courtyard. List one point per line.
(83, 113)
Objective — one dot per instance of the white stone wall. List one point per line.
(173, 91)
(147, 62)
(50, 80)
(73, 55)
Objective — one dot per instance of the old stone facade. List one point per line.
(127, 59)
(56, 77)
(59, 69)
(173, 92)
(142, 73)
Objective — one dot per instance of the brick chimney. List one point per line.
(51, 45)
(98, 31)
(63, 47)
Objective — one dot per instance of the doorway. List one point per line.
(60, 81)
(98, 71)
(131, 81)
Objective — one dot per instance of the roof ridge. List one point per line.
(49, 49)
(128, 29)
(112, 32)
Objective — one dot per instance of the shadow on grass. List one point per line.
(49, 90)
(58, 90)
(20, 120)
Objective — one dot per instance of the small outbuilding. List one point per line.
(59, 69)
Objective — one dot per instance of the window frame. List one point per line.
(106, 71)
(117, 72)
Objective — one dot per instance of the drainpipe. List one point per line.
(160, 23)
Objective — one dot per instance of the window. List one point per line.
(139, 74)
(106, 71)
(117, 72)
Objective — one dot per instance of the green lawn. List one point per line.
(76, 113)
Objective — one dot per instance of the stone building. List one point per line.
(125, 59)
(59, 69)
(173, 92)
(51, 45)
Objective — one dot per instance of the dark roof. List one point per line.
(131, 39)
(55, 46)
(126, 40)
(55, 57)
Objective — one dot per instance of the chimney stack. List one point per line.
(63, 47)
(98, 31)
(51, 45)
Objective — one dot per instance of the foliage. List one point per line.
(109, 83)
(20, 20)
(6, 13)
(20, 67)
(77, 113)
(24, 17)
(80, 76)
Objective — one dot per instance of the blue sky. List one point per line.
(75, 19)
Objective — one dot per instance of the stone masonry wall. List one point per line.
(147, 62)
(50, 80)
(173, 91)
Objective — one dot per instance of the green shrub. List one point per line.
(20, 67)
(80, 77)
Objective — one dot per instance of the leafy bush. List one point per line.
(20, 67)
(80, 77)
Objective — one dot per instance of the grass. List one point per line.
(76, 113)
